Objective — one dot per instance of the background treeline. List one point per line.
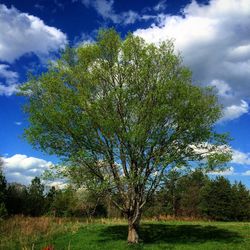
(198, 196)
(182, 195)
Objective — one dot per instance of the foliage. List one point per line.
(3, 211)
(223, 201)
(184, 195)
(194, 195)
(191, 196)
(16, 202)
(240, 200)
(64, 202)
(3, 193)
(35, 197)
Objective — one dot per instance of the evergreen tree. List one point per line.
(216, 199)
(36, 197)
(17, 199)
(240, 204)
(49, 200)
(190, 197)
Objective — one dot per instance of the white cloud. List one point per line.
(160, 6)
(83, 39)
(222, 87)
(229, 171)
(8, 90)
(18, 123)
(22, 169)
(247, 173)
(22, 33)
(241, 158)
(235, 111)
(9, 75)
(214, 40)
(9, 78)
(239, 52)
(57, 184)
(105, 8)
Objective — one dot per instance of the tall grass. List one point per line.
(25, 233)
(21, 232)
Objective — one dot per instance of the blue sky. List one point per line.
(212, 36)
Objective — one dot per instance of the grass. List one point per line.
(36, 233)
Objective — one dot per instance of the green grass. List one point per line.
(107, 235)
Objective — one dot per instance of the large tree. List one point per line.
(122, 113)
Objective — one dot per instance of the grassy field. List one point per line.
(36, 233)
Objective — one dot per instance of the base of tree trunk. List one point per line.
(133, 237)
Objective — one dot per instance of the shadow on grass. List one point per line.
(172, 234)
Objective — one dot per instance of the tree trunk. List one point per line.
(133, 233)
(133, 236)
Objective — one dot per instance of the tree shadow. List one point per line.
(172, 234)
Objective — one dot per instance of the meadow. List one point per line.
(27, 233)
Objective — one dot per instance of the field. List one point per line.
(36, 233)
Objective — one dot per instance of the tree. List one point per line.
(121, 113)
(3, 192)
(191, 186)
(49, 200)
(17, 199)
(173, 192)
(181, 193)
(36, 198)
(217, 199)
(64, 201)
(240, 204)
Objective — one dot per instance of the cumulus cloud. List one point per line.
(8, 80)
(214, 41)
(9, 75)
(241, 158)
(22, 169)
(29, 34)
(8, 90)
(235, 111)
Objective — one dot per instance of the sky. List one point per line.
(212, 36)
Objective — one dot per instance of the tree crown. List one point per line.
(123, 110)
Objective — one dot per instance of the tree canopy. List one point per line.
(121, 113)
